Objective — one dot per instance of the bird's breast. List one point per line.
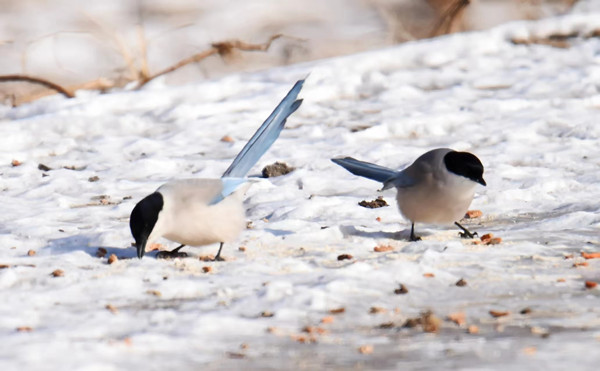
(436, 202)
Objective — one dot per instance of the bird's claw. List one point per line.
(468, 235)
(171, 254)
(465, 232)
(218, 259)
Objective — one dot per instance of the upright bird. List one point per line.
(437, 188)
(199, 212)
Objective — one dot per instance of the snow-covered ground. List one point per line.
(529, 112)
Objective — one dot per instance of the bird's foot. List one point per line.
(467, 235)
(414, 238)
(218, 258)
(172, 254)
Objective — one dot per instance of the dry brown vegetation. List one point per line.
(450, 17)
(404, 20)
(141, 75)
(223, 49)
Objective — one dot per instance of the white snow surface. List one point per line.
(529, 112)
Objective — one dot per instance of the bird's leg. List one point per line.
(465, 233)
(218, 257)
(413, 238)
(172, 254)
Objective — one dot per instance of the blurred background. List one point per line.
(112, 43)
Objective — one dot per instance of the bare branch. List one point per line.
(449, 17)
(40, 81)
(100, 84)
(556, 40)
(569, 4)
(143, 76)
(129, 60)
(226, 47)
(117, 43)
(223, 48)
(193, 59)
(144, 71)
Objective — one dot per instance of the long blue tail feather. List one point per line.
(366, 169)
(266, 134)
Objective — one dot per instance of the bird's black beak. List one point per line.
(481, 181)
(141, 247)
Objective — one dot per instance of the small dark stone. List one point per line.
(43, 167)
(358, 128)
(379, 202)
(525, 311)
(401, 290)
(94, 178)
(58, 273)
(276, 169)
(461, 282)
(412, 322)
(386, 325)
(344, 257)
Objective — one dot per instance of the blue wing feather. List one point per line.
(230, 185)
(264, 137)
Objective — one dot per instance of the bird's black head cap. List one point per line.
(465, 164)
(143, 218)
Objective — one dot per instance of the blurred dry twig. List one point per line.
(141, 74)
(144, 69)
(223, 48)
(569, 4)
(556, 40)
(40, 81)
(448, 19)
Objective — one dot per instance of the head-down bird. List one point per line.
(199, 212)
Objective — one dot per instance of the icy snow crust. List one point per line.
(530, 113)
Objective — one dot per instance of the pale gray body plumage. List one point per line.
(189, 219)
(437, 196)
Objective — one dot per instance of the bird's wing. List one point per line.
(400, 180)
(230, 185)
(265, 135)
(203, 191)
(193, 190)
